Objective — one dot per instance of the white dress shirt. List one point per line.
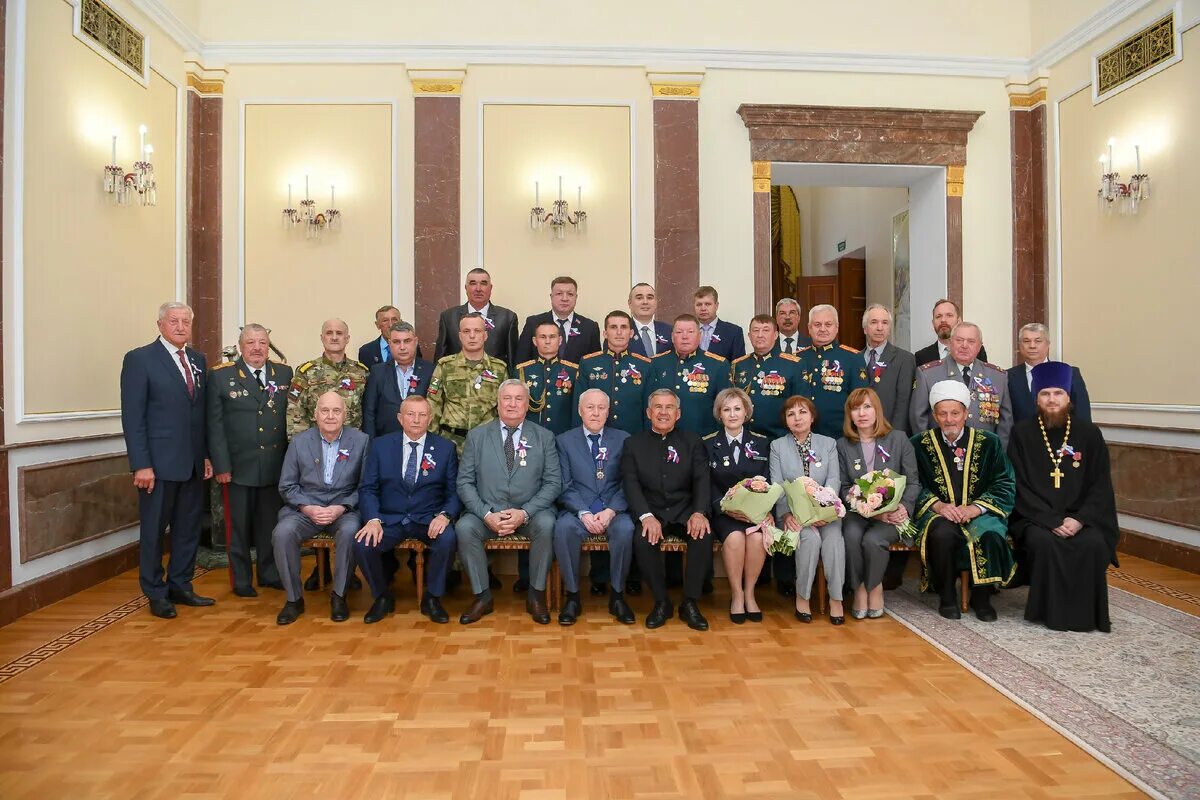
(173, 350)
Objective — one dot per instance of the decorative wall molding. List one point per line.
(1133, 59)
(1096, 25)
(437, 82)
(670, 85)
(173, 26)
(114, 38)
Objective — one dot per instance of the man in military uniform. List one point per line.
(831, 369)
(694, 375)
(332, 372)
(247, 438)
(990, 407)
(768, 376)
(463, 389)
(551, 381)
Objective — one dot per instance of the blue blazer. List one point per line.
(732, 341)
(164, 428)
(662, 339)
(371, 354)
(581, 490)
(1024, 405)
(381, 398)
(384, 495)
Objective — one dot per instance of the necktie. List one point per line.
(594, 438)
(401, 384)
(967, 376)
(647, 341)
(871, 360)
(736, 444)
(787, 345)
(387, 353)
(410, 469)
(258, 376)
(187, 374)
(510, 456)
(706, 338)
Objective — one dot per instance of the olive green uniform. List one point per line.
(315, 378)
(462, 394)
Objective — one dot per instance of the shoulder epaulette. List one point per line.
(804, 349)
(850, 349)
(790, 357)
(741, 358)
(525, 364)
(223, 365)
(708, 436)
(714, 355)
(597, 353)
(664, 353)
(931, 365)
(446, 359)
(758, 435)
(359, 363)
(993, 366)
(571, 364)
(305, 367)
(640, 356)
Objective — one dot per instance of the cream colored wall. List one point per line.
(862, 217)
(1050, 20)
(589, 147)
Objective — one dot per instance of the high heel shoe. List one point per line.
(858, 614)
(804, 616)
(837, 620)
(874, 613)
(754, 616)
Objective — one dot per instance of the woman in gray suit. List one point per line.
(872, 444)
(804, 453)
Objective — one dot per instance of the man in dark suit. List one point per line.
(247, 437)
(391, 381)
(650, 336)
(789, 318)
(578, 334)
(890, 370)
(1033, 342)
(378, 350)
(501, 324)
(664, 472)
(946, 314)
(162, 415)
(408, 492)
(717, 336)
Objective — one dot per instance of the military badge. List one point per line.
(877, 371)
(959, 453)
(633, 375)
(771, 384)
(523, 450)
(697, 379)
(427, 463)
(601, 458)
(563, 382)
(832, 375)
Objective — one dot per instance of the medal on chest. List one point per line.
(832, 375)
(601, 459)
(771, 384)
(427, 463)
(696, 379)
(988, 399)
(523, 450)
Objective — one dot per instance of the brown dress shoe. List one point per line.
(536, 606)
(478, 610)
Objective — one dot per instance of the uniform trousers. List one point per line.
(473, 532)
(253, 511)
(867, 554)
(177, 505)
(826, 544)
(651, 562)
(569, 534)
(293, 528)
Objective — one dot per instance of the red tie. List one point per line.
(187, 373)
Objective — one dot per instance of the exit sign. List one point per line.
(842, 246)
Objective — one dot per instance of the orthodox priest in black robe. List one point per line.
(1065, 519)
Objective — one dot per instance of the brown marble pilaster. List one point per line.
(205, 107)
(954, 254)
(762, 237)
(676, 204)
(1029, 231)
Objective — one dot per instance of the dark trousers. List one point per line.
(177, 505)
(650, 561)
(600, 569)
(441, 552)
(945, 547)
(253, 511)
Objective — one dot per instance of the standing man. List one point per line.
(693, 376)
(501, 324)
(376, 351)
(593, 504)
(890, 370)
(508, 481)
(946, 314)
(787, 318)
(549, 379)
(989, 407)
(332, 372)
(768, 377)
(664, 472)
(247, 438)
(393, 380)
(717, 336)
(319, 486)
(162, 415)
(831, 369)
(464, 387)
(650, 337)
(1033, 342)
(409, 491)
(619, 372)
(578, 335)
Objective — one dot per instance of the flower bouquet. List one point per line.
(811, 502)
(754, 498)
(879, 492)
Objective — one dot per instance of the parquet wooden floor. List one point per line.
(223, 703)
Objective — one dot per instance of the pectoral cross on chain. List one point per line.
(1057, 474)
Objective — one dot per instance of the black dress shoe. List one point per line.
(950, 612)
(786, 588)
(837, 620)
(276, 585)
(382, 606)
(245, 591)
(659, 615)
(737, 617)
(291, 612)
(633, 588)
(478, 610)
(432, 608)
(754, 616)
(189, 598)
(570, 612)
(520, 585)
(599, 589)
(338, 610)
(163, 609)
(804, 616)
(984, 611)
(689, 612)
(535, 604)
(621, 610)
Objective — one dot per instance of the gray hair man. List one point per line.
(989, 408)
(890, 369)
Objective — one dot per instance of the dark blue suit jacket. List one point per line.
(578, 344)
(164, 429)
(381, 398)
(729, 341)
(1024, 405)
(370, 353)
(662, 339)
(580, 487)
(384, 495)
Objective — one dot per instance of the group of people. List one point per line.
(630, 432)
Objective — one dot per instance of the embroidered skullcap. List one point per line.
(949, 390)
(1051, 375)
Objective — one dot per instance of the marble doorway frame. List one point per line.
(855, 135)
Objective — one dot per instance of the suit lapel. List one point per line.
(172, 363)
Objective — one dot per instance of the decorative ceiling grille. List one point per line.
(116, 36)
(1153, 48)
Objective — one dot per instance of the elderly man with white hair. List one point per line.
(1033, 344)
(890, 369)
(831, 369)
(967, 494)
(989, 406)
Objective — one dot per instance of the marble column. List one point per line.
(955, 175)
(763, 301)
(1027, 115)
(205, 107)
(436, 175)
(676, 190)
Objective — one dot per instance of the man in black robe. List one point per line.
(1065, 518)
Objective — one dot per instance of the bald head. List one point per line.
(331, 414)
(335, 335)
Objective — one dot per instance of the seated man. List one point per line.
(319, 487)
(665, 475)
(593, 504)
(1065, 518)
(966, 496)
(508, 480)
(408, 492)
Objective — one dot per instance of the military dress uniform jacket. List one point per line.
(313, 379)
(769, 380)
(832, 371)
(462, 395)
(724, 471)
(990, 409)
(624, 377)
(247, 424)
(551, 385)
(697, 380)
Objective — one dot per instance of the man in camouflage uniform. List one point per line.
(550, 380)
(332, 372)
(464, 387)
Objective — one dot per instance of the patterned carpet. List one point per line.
(1130, 697)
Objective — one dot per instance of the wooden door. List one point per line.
(852, 301)
(818, 290)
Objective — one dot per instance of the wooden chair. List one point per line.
(594, 544)
(418, 548)
(521, 542)
(323, 547)
(964, 582)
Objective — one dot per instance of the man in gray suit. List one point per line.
(991, 406)
(508, 480)
(890, 370)
(319, 487)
